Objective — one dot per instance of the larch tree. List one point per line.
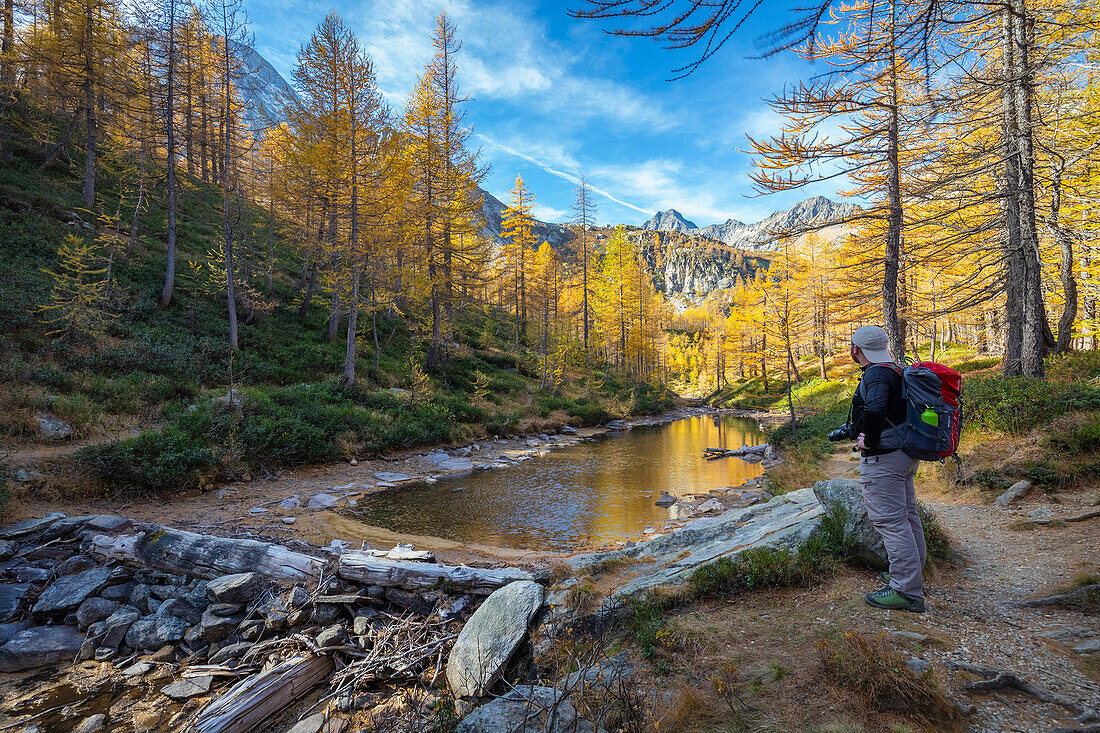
(517, 227)
(584, 218)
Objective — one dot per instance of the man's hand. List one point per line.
(859, 442)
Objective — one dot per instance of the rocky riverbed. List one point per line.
(112, 624)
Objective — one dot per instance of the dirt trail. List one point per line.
(971, 612)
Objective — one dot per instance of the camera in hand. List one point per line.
(844, 432)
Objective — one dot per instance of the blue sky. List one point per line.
(553, 98)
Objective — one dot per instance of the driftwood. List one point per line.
(179, 551)
(1085, 597)
(997, 678)
(364, 568)
(745, 450)
(256, 699)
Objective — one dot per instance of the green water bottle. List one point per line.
(929, 416)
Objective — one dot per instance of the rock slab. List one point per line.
(489, 638)
(40, 646)
(11, 597)
(525, 708)
(66, 594)
(237, 588)
(1014, 492)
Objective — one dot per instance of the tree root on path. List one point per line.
(1084, 598)
(998, 679)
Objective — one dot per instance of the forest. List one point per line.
(169, 239)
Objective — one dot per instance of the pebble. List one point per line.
(288, 520)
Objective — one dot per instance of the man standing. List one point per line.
(887, 472)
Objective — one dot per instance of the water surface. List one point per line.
(584, 495)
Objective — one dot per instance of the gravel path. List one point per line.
(971, 611)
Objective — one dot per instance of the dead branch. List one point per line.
(998, 679)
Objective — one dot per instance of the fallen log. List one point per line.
(254, 700)
(364, 568)
(204, 556)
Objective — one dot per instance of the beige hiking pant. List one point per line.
(891, 499)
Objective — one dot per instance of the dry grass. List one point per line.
(872, 669)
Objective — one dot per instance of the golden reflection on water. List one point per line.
(585, 495)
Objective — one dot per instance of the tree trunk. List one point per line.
(892, 262)
(1013, 256)
(1069, 282)
(90, 118)
(170, 269)
(353, 318)
(7, 48)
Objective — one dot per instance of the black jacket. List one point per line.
(878, 409)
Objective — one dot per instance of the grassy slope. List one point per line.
(159, 370)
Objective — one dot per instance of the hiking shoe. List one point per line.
(884, 577)
(891, 600)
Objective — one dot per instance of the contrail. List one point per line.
(561, 174)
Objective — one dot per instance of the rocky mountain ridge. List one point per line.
(819, 211)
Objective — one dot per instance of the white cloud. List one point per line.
(549, 213)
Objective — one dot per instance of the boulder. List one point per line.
(1014, 492)
(238, 588)
(66, 594)
(11, 599)
(844, 496)
(40, 646)
(489, 638)
(94, 609)
(526, 708)
(30, 526)
(335, 635)
(109, 523)
(7, 549)
(51, 427)
(154, 632)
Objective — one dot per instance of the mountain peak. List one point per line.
(670, 220)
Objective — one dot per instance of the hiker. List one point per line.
(887, 472)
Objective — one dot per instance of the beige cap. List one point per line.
(872, 340)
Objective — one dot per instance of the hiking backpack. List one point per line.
(932, 417)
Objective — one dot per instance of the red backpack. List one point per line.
(933, 421)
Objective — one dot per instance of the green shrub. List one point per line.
(1081, 437)
(162, 460)
(1014, 405)
(976, 365)
(935, 539)
(763, 568)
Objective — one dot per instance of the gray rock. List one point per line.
(94, 609)
(30, 526)
(230, 652)
(7, 549)
(91, 724)
(391, 477)
(1068, 633)
(186, 608)
(118, 624)
(456, 464)
(51, 427)
(910, 636)
(188, 688)
(844, 495)
(109, 523)
(75, 564)
(918, 665)
(66, 594)
(325, 613)
(335, 635)
(666, 500)
(525, 708)
(216, 628)
(681, 510)
(1088, 647)
(225, 609)
(1042, 512)
(11, 599)
(139, 669)
(489, 638)
(238, 588)
(709, 506)
(607, 674)
(40, 646)
(153, 632)
(103, 653)
(29, 574)
(1014, 492)
(311, 724)
(322, 501)
(139, 598)
(567, 430)
(8, 631)
(120, 592)
(252, 629)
